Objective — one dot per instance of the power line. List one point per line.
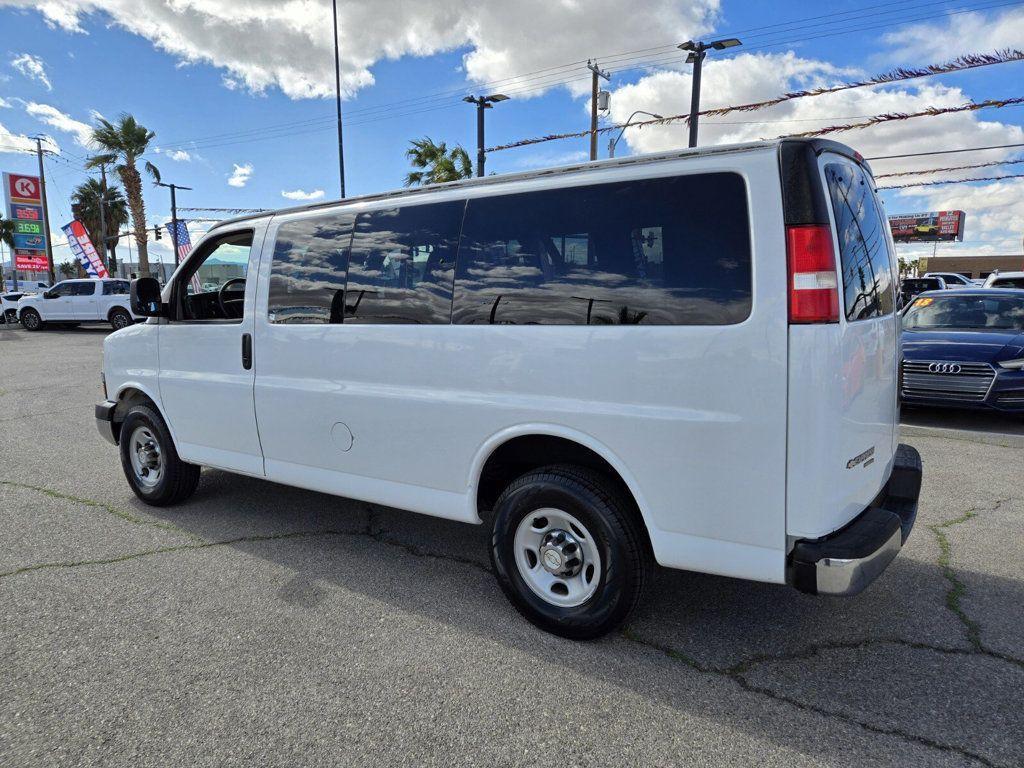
(955, 181)
(950, 169)
(532, 81)
(944, 152)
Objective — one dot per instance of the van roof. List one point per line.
(818, 145)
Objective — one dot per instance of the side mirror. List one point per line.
(144, 297)
(48, 295)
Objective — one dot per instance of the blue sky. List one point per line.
(252, 92)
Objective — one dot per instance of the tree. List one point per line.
(7, 238)
(122, 145)
(68, 269)
(436, 163)
(85, 206)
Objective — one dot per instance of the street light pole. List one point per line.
(337, 98)
(482, 103)
(613, 142)
(698, 50)
(174, 216)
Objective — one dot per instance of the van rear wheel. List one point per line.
(150, 461)
(569, 551)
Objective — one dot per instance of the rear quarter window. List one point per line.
(863, 245)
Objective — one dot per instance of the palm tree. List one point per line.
(85, 206)
(122, 145)
(437, 164)
(6, 238)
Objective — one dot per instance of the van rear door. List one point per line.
(843, 408)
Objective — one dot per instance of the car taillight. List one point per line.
(813, 287)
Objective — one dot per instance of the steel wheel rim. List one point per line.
(537, 536)
(146, 457)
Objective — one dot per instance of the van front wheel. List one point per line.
(569, 552)
(150, 462)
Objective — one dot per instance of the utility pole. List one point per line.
(174, 216)
(46, 214)
(698, 50)
(482, 103)
(596, 73)
(103, 219)
(337, 99)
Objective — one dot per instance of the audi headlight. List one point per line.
(1013, 365)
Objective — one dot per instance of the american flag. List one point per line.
(184, 246)
(183, 240)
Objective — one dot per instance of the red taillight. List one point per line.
(813, 287)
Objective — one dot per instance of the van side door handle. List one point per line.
(247, 351)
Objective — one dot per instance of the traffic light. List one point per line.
(156, 233)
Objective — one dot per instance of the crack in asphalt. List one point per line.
(735, 673)
(126, 516)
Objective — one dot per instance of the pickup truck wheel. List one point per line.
(569, 552)
(30, 320)
(119, 319)
(151, 463)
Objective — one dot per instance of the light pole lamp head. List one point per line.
(689, 45)
(495, 98)
(729, 42)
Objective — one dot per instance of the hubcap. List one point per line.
(557, 557)
(146, 457)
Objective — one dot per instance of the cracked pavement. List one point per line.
(259, 624)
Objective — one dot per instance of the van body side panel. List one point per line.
(401, 414)
(843, 409)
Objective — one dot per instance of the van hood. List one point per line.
(963, 346)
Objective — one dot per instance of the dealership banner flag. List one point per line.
(81, 246)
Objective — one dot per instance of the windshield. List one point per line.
(966, 313)
(1008, 282)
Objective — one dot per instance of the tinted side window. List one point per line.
(307, 275)
(115, 288)
(62, 289)
(83, 289)
(860, 229)
(403, 265)
(670, 251)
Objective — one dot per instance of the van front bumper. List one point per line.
(105, 420)
(845, 562)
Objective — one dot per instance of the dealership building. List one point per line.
(972, 266)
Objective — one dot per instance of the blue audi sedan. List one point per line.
(965, 349)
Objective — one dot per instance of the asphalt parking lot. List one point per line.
(262, 625)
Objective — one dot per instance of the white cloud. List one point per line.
(15, 142)
(32, 67)
(240, 175)
(301, 194)
(178, 155)
(4, 103)
(53, 117)
(289, 43)
(935, 40)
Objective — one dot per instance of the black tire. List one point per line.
(30, 320)
(119, 318)
(178, 479)
(608, 515)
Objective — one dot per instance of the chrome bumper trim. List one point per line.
(105, 421)
(838, 576)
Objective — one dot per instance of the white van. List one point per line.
(71, 302)
(687, 359)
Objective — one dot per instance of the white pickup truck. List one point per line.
(78, 301)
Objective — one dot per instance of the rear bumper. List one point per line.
(845, 562)
(105, 420)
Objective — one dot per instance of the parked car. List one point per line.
(1005, 280)
(965, 348)
(614, 358)
(910, 287)
(9, 307)
(952, 279)
(78, 301)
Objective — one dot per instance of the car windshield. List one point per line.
(1008, 282)
(966, 313)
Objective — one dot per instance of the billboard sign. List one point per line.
(30, 261)
(932, 227)
(29, 242)
(82, 247)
